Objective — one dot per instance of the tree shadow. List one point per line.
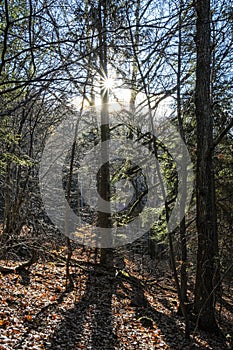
(154, 317)
(92, 315)
(90, 324)
(226, 304)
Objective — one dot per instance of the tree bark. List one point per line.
(104, 218)
(206, 214)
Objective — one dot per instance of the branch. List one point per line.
(222, 134)
(5, 38)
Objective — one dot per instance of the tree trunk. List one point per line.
(104, 217)
(182, 228)
(133, 93)
(206, 215)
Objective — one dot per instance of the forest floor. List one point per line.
(130, 308)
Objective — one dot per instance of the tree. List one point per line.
(206, 212)
(103, 183)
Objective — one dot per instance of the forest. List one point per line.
(116, 174)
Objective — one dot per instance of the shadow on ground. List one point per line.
(95, 309)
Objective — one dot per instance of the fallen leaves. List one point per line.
(28, 318)
(4, 323)
(40, 315)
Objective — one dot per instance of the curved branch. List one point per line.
(222, 134)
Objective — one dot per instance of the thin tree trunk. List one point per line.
(182, 228)
(133, 93)
(170, 238)
(104, 217)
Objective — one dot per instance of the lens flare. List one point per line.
(108, 83)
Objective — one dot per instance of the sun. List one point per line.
(108, 83)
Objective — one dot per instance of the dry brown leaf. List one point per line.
(3, 323)
(28, 318)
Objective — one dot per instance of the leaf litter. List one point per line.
(100, 312)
